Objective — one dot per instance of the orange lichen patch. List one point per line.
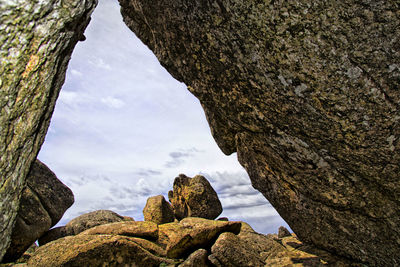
(33, 62)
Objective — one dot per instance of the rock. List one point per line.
(223, 219)
(95, 250)
(307, 99)
(147, 230)
(229, 251)
(158, 210)
(43, 203)
(254, 249)
(194, 197)
(196, 259)
(190, 233)
(37, 39)
(92, 219)
(52, 234)
(283, 232)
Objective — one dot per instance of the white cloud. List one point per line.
(100, 63)
(113, 102)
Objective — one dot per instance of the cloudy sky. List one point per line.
(123, 129)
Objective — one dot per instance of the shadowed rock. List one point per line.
(307, 94)
(36, 42)
(43, 203)
(194, 197)
(158, 210)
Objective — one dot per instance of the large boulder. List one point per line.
(82, 223)
(95, 250)
(194, 197)
(307, 94)
(92, 219)
(43, 203)
(180, 238)
(158, 210)
(36, 42)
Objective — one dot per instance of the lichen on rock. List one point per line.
(36, 42)
(307, 93)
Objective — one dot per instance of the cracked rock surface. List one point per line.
(307, 93)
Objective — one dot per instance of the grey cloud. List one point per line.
(147, 172)
(179, 157)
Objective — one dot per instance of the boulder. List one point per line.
(158, 210)
(194, 197)
(283, 232)
(92, 219)
(253, 249)
(52, 234)
(95, 250)
(189, 233)
(37, 39)
(306, 93)
(148, 230)
(196, 259)
(43, 203)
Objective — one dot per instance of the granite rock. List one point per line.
(158, 210)
(307, 94)
(43, 203)
(36, 42)
(194, 197)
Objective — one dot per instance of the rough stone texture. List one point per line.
(158, 210)
(190, 233)
(92, 219)
(95, 250)
(253, 249)
(147, 230)
(307, 92)
(194, 197)
(199, 258)
(52, 234)
(36, 41)
(283, 232)
(43, 203)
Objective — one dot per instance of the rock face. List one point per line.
(36, 41)
(307, 93)
(194, 197)
(158, 210)
(43, 203)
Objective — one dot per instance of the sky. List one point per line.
(123, 129)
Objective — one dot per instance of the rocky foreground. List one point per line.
(179, 232)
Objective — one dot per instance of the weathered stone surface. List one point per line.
(148, 230)
(190, 233)
(43, 203)
(196, 259)
(254, 249)
(95, 250)
(229, 251)
(92, 219)
(158, 210)
(194, 197)
(36, 41)
(307, 92)
(52, 234)
(283, 232)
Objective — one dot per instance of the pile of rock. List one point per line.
(181, 233)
